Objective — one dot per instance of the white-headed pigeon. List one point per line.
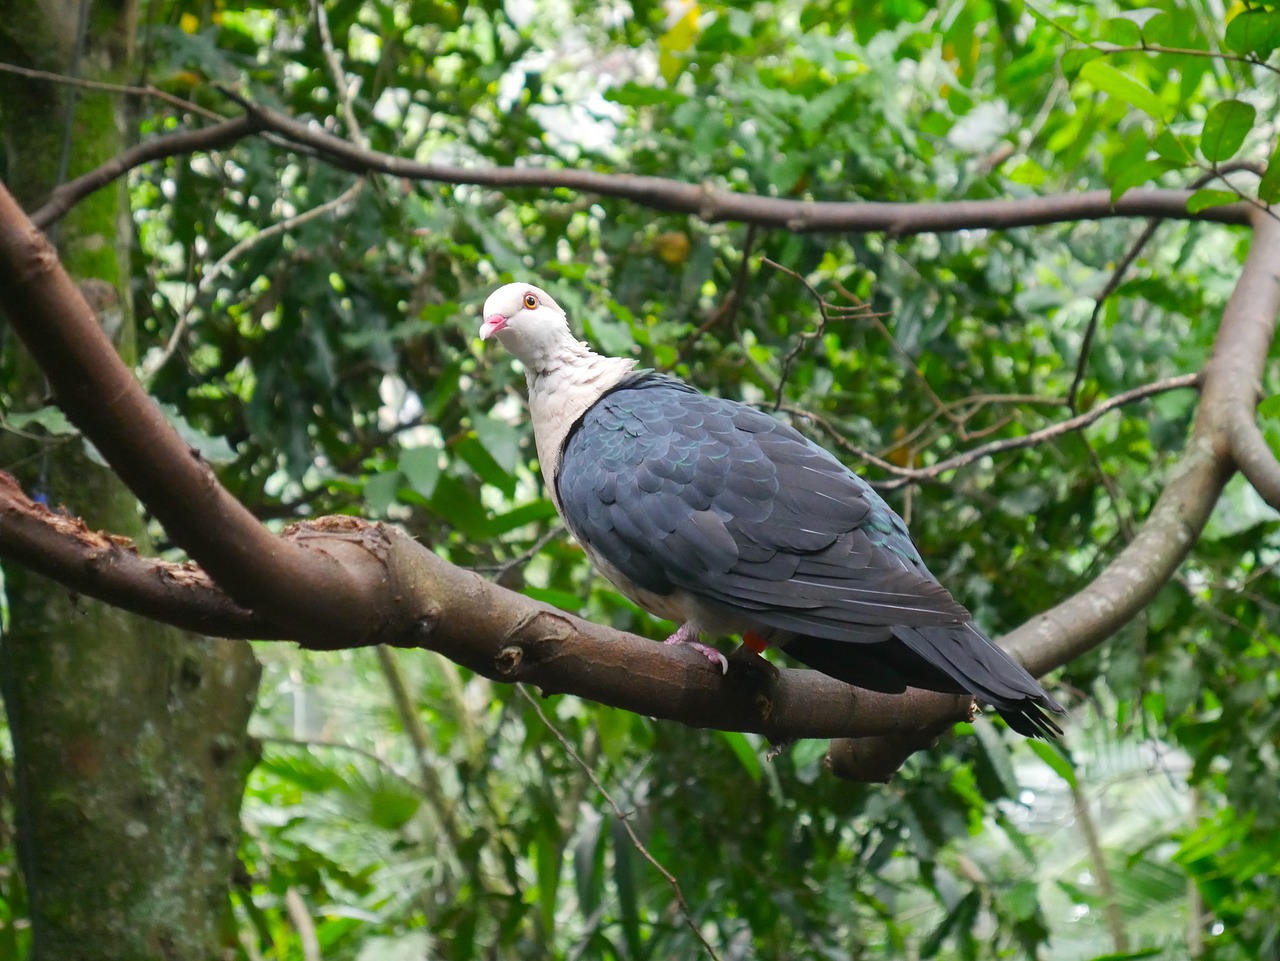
(723, 519)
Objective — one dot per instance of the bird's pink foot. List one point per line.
(687, 635)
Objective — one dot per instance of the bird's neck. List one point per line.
(561, 392)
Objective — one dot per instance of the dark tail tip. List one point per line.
(1029, 719)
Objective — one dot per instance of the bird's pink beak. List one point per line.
(492, 324)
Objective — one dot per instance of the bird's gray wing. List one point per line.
(678, 490)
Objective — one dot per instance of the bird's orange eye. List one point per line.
(530, 302)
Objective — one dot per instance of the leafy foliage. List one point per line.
(337, 358)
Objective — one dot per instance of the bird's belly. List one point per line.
(679, 606)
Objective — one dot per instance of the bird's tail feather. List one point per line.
(984, 670)
(955, 659)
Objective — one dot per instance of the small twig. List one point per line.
(1112, 285)
(857, 309)
(1215, 612)
(1180, 382)
(907, 475)
(625, 821)
(495, 572)
(1122, 268)
(1123, 520)
(131, 91)
(340, 81)
(154, 365)
(728, 309)
(878, 319)
(1144, 47)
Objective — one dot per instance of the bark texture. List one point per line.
(130, 742)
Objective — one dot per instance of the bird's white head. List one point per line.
(529, 323)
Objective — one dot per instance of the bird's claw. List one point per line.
(689, 638)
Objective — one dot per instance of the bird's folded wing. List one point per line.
(678, 490)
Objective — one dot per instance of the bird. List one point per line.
(724, 519)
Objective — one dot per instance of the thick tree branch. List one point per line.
(311, 591)
(714, 204)
(1230, 385)
(1087, 618)
(489, 629)
(109, 568)
(706, 201)
(342, 583)
(1252, 454)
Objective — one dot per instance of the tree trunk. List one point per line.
(130, 742)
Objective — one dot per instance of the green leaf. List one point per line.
(744, 751)
(1225, 128)
(959, 918)
(1255, 32)
(1109, 80)
(421, 468)
(588, 862)
(1056, 757)
(530, 513)
(1269, 185)
(305, 771)
(215, 450)
(1075, 59)
(1121, 31)
(1021, 899)
(548, 856)
(1170, 148)
(1133, 175)
(996, 750)
(500, 439)
(392, 804)
(565, 600)
(51, 419)
(454, 501)
(636, 95)
(380, 492)
(476, 456)
(624, 880)
(1174, 29)
(1204, 199)
(1270, 407)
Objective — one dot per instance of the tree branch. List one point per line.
(706, 201)
(1252, 454)
(341, 582)
(109, 568)
(99, 85)
(912, 475)
(1087, 618)
(713, 204)
(489, 629)
(315, 592)
(1230, 383)
(177, 144)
